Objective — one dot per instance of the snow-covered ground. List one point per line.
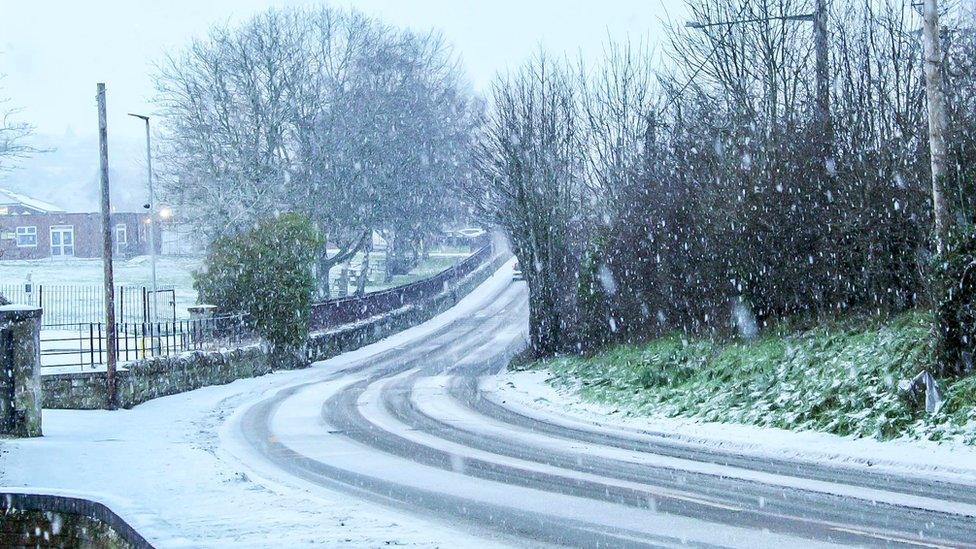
(530, 394)
(172, 272)
(159, 466)
(163, 467)
(256, 462)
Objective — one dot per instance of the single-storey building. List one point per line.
(34, 229)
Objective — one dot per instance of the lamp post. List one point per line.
(152, 218)
(819, 20)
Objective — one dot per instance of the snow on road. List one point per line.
(417, 422)
(160, 467)
(163, 468)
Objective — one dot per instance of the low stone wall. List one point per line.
(34, 520)
(329, 343)
(143, 380)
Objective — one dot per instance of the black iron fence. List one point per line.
(69, 304)
(345, 310)
(84, 344)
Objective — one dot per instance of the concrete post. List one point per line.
(202, 314)
(20, 370)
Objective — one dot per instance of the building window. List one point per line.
(121, 237)
(62, 241)
(26, 237)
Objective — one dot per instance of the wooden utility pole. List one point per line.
(110, 335)
(937, 117)
(822, 73)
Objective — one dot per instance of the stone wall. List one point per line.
(20, 367)
(143, 380)
(34, 520)
(327, 344)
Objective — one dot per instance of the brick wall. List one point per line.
(86, 229)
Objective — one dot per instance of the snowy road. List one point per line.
(407, 426)
(405, 442)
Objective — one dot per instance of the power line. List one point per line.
(707, 58)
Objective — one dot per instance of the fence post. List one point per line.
(203, 314)
(20, 379)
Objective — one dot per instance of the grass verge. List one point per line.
(840, 378)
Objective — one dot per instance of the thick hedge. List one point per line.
(266, 272)
(955, 285)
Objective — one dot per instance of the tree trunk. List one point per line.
(364, 270)
(323, 266)
(937, 118)
(324, 263)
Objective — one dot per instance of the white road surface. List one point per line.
(411, 441)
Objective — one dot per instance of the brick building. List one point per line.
(34, 229)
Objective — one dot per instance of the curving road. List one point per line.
(407, 425)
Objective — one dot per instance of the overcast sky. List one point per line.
(53, 52)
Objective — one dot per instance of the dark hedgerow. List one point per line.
(593, 302)
(266, 272)
(955, 285)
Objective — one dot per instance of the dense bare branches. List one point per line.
(530, 163)
(13, 135)
(721, 186)
(356, 124)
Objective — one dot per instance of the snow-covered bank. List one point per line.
(529, 393)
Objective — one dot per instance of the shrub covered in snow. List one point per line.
(265, 271)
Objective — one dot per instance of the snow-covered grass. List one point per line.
(176, 272)
(171, 272)
(427, 268)
(839, 378)
(532, 393)
(438, 259)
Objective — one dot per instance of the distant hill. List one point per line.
(67, 175)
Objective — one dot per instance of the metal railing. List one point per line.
(70, 304)
(346, 310)
(85, 344)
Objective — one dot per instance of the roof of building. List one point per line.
(8, 197)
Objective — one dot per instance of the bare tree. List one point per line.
(328, 112)
(530, 167)
(13, 135)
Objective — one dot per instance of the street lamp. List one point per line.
(700, 25)
(819, 20)
(151, 206)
